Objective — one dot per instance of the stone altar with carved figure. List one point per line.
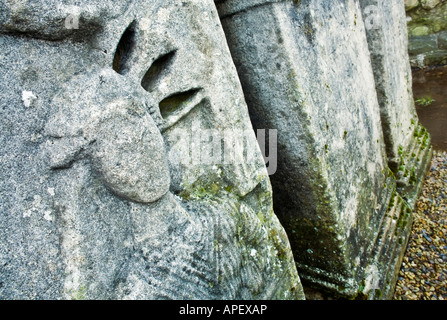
(97, 201)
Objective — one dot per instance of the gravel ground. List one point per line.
(423, 275)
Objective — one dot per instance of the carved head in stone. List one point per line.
(174, 79)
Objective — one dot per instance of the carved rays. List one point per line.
(127, 61)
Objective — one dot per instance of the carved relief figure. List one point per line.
(133, 219)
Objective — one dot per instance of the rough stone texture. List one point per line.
(442, 40)
(96, 202)
(306, 70)
(410, 4)
(407, 143)
(428, 14)
(427, 21)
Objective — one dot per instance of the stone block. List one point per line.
(306, 70)
(422, 44)
(407, 143)
(442, 40)
(410, 4)
(436, 58)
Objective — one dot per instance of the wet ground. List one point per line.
(430, 94)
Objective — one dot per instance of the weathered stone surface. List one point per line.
(97, 200)
(410, 4)
(407, 143)
(429, 4)
(422, 44)
(433, 58)
(54, 19)
(427, 20)
(442, 40)
(428, 50)
(306, 70)
(428, 14)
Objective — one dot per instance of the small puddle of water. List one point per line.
(432, 84)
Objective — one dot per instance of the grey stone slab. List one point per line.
(422, 44)
(306, 71)
(102, 196)
(435, 58)
(407, 142)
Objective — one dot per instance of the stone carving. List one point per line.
(305, 69)
(96, 200)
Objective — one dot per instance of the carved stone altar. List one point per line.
(97, 199)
